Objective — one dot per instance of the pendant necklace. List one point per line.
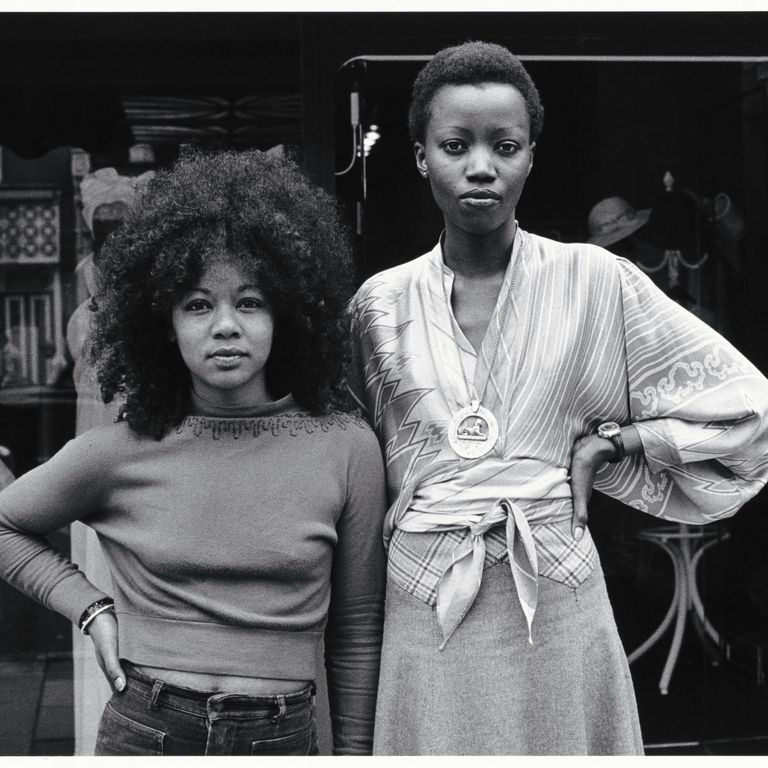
(473, 430)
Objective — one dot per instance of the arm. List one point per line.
(591, 452)
(700, 409)
(51, 496)
(355, 617)
(64, 489)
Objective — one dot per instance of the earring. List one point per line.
(424, 172)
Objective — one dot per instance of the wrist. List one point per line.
(605, 449)
(610, 432)
(94, 610)
(101, 623)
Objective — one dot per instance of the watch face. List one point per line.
(609, 429)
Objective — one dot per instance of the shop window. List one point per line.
(31, 342)
(27, 357)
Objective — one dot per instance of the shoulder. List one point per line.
(86, 463)
(352, 437)
(347, 427)
(584, 267)
(115, 435)
(102, 446)
(393, 280)
(582, 255)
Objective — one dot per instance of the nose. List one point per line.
(480, 164)
(225, 323)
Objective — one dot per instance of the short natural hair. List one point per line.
(263, 215)
(470, 64)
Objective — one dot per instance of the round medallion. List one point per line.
(473, 432)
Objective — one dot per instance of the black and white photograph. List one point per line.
(384, 380)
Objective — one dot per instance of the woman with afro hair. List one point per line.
(506, 374)
(238, 507)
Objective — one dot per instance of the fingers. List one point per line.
(103, 632)
(581, 488)
(579, 520)
(114, 673)
(582, 471)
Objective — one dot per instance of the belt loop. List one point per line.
(156, 688)
(282, 709)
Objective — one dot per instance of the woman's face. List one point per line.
(223, 327)
(477, 155)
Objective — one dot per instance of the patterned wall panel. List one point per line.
(29, 227)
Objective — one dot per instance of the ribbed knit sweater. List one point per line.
(230, 542)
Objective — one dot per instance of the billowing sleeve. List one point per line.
(66, 488)
(355, 617)
(700, 408)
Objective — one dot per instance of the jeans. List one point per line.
(151, 717)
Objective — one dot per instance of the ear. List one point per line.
(421, 158)
(530, 164)
(171, 334)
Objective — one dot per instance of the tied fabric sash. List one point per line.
(448, 495)
(460, 581)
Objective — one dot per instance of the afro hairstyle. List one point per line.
(260, 213)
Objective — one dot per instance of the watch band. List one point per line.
(621, 452)
(610, 430)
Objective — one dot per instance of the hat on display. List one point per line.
(106, 186)
(613, 219)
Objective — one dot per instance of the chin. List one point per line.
(225, 383)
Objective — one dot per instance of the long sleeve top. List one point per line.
(588, 338)
(231, 543)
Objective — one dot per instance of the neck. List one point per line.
(477, 256)
(203, 406)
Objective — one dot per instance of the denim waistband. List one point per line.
(158, 693)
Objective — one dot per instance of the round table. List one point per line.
(685, 545)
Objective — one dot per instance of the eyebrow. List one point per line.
(240, 289)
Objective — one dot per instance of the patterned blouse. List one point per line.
(588, 338)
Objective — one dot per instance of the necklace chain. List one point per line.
(502, 322)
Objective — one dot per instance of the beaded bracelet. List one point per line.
(92, 611)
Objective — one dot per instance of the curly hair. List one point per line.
(261, 214)
(470, 64)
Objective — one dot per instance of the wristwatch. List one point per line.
(612, 431)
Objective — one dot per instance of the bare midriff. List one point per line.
(247, 686)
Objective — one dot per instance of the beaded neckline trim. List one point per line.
(219, 427)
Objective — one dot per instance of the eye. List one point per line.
(508, 147)
(250, 302)
(453, 146)
(197, 305)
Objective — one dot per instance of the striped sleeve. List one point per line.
(700, 408)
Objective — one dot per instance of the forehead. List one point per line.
(225, 272)
(484, 106)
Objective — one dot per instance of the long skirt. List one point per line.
(491, 692)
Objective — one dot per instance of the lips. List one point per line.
(227, 353)
(480, 194)
(478, 199)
